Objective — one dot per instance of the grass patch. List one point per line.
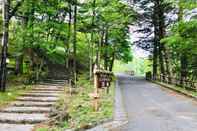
(14, 88)
(180, 89)
(79, 106)
(12, 93)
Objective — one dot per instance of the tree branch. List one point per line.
(12, 13)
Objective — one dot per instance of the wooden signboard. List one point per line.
(104, 78)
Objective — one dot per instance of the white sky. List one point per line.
(137, 51)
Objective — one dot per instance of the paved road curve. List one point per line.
(152, 108)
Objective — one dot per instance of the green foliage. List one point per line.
(43, 33)
(112, 17)
(184, 4)
(80, 107)
(13, 92)
(184, 37)
(183, 41)
(139, 65)
(188, 4)
(40, 31)
(43, 129)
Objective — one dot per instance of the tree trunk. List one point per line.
(3, 67)
(159, 25)
(75, 43)
(112, 62)
(39, 69)
(102, 42)
(98, 45)
(155, 56)
(161, 34)
(97, 55)
(92, 41)
(183, 58)
(68, 38)
(184, 65)
(161, 60)
(19, 65)
(155, 48)
(19, 59)
(91, 53)
(106, 60)
(166, 58)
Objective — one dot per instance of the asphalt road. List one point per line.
(153, 108)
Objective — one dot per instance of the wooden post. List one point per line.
(107, 88)
(96, 85)
(102, 80)
(95, 95)
(107, 84)
(160, 78)
(167, 78)
(70, 86)
(96, 104)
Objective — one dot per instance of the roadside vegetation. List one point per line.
(58, 39)
(68, 39)
(179, 89)
(139, 65)
(16, 88)
(77, 111)
(12, 94)
(63, 38)
(170, 35)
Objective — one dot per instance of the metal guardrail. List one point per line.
(186, 83)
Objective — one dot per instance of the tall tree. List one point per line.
(8, 13)
(153, 22)
(75, 43)
(3, 69)
(176, 41)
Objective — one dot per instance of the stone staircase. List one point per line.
(31, 108)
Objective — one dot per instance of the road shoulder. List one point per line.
(120, 115)
(179, 90)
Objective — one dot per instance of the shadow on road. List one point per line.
(151, 108)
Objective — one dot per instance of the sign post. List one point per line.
(102, 80)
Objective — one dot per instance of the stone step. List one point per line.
(46, 89)
(50, 86)
(14, 109)
(16, 127)
(46, 92)
(55, 80)
(54, 84)
(39, 95)
(22, 118)
(38, 99)
(31, 103)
